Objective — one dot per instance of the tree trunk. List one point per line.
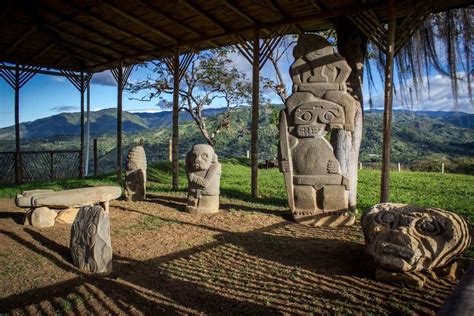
(352, 45)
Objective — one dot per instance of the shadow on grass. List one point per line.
(283, 267)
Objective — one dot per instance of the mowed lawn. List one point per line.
(251, 258)
(453, 192)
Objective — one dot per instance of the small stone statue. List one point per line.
(204, 174)
(317, 191)
(90, 246)
(409, 238)
(135, 174)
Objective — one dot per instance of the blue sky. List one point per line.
(46, 95)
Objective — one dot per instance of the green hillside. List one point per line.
(418, 137)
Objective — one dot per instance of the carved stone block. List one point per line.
(135, 185)
(316, 189)
(135, 179)
(90, 246)
(204, 174)
(408, 238)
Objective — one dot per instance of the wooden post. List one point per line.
(388, 98)
(51, 166)
(119, 120)
(255, 112)
(88, 129)
(442, 167)
(170, 150)
(175, 136)
(18, 167)
(96, 156)
(399, 167)
(248, 153)
(360, 165)
(81, 155)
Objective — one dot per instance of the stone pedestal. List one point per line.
(90, 246)
(204, 173)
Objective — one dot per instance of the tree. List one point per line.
(212, 78)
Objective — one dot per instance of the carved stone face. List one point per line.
(410, 238)
(201, 157)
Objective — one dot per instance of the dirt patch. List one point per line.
(246, 259)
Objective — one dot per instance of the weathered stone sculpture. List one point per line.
(204, 174)
(90, 246)
(45, 205)
(409, 238)
(317, 191)
(135, 175)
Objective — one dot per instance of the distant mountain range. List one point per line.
(415, 134)
(102, 122)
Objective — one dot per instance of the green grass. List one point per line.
(452, 192)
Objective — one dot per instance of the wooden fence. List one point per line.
(40, 165)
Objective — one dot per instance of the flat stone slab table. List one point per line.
(69, 198)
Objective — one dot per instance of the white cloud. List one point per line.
(104, 78)
(58, 78)
(439, 98)
(144, 111)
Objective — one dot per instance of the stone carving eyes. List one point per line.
(387, 219)
(429, 226)
(307, 116)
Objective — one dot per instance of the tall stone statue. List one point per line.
(317, 191)
(135, 174)
(204, 175)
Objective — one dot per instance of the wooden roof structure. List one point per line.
(95, 35)
(77, 38)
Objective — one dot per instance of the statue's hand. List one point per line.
(192, 177)
(342, 87)
(333, 166)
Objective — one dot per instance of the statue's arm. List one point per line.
(213, 171)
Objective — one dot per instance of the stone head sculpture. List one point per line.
(200, 157)
(409, 238)
(204, 172)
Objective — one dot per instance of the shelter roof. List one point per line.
(96, 35)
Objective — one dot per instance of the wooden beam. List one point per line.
(81, 154)
(147, 26)
(119, 78)
(388, 99)
(240, 12)
(175, 132)
(96, 31)
(18, 165)
(117, 28)
(327, 14)
(255, 113)
(203, 14)
(79, 39)
(151, 6)
(20, 40)
(42, 52)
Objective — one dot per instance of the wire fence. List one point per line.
(40, 165)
